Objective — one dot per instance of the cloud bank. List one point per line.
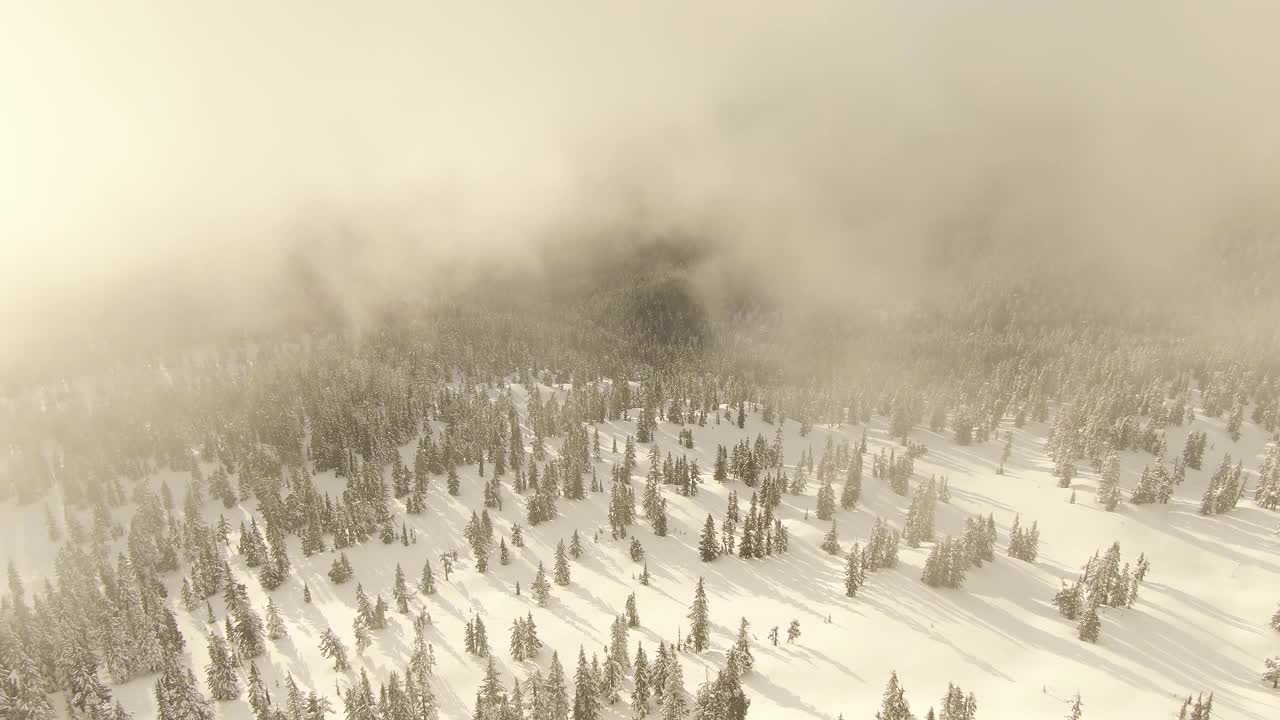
(175, 164)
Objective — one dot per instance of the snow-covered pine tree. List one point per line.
(854, 575)
(1109, 482)
(585, 705)
(541, 587)
(331, 647)
(220, 673)
(831, 541)
(709, 541)
(275, 624)
(1090, 624)
(699, 620)
(561, 565)
(893, 705)
(851, 493)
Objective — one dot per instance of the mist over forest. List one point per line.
(915, 359)
(181, 173)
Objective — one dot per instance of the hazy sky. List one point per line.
(149, 144)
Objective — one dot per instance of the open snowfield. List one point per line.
(1199, 623)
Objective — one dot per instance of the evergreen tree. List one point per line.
(340, 571)
(636, 550)
(674, 706)
(640, 686)
(1090, 624)
(1109, 482)
(331, 647)
(700, 620)
(363, 637)
(259, 698)
(894, 705)
(1271, 674)
(854, 576)
(541, 588)
(552, 702)
(831, 541)
(400, 591)
(852, 491)
(709, 543)
(491, 697)
(275, 624)
(742, 647)
(176, 693)
(633, 617)
(561, 565)
(220, 673)
(826, 501)
(427, 581)
(585, 706)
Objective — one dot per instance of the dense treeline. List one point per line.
(256, 421)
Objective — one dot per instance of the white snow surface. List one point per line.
(1199, 623)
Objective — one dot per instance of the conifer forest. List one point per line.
(435, 363)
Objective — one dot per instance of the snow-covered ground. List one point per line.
(1199, 624)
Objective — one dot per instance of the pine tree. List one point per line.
(427, 581)
(1272, 672)
(852, 491)
(709, 544)
(360, 627)
(331, 648)
(247, 631)
(640, 685)
(340, 571)
(826, 501)
(955, 706)
(177, 695)
(1109, 482)
(699, 619)
(920, 516)
(259, 698)
(742, 647)
(541, 588)
(854, 576)
(85, 691)
(894, 705)
(552, 702)
(480, 637)
(452, 482)
(1090, 624)
(220, 673)
(275, 624)
(675, 706)
(561, 565)
(831, 541)
(585, 706)
(491, 697)
(400, 591)
(629, 611)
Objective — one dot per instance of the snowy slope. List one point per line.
(1199, 622)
